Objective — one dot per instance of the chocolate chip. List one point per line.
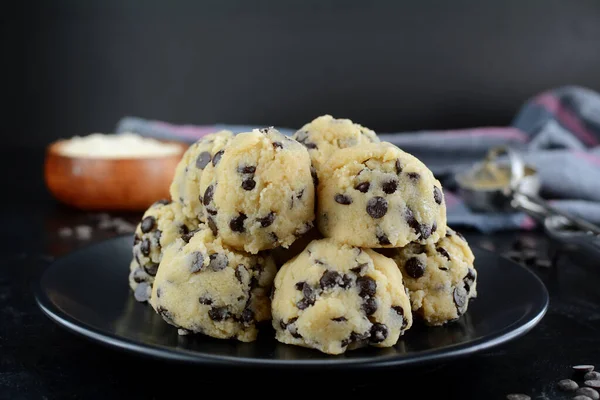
(300, 194)
(211, 210)
(330, 279)
(208, 194)
(379, 332)
(398, 166)
(390, 186)
(163, 202)
(460, 297)
(355, 337)
(413, 176)
(363, 187)
(183, 229)
(246, 169)
(197, 262)
(157, 236)
(342, 199)
(205, 300)
(148, 224)
(370, 306)
(437, 195)
(264, 131)
(308, 293)
(151, 268)
(284, 324)
(568, 385)
(145, 247)
(247, 316)
(589, 392)
(313, 173)
(203, 160)
(217, 157)
(212, 225)
(433, 228)
(273, 236)
(358, 270)
(237, 223)
(443, 252)
(218, 313)
(422, 230)
(310, 145)
(165, 314)
(294, 332)
(238, 272)
(188, 236)
(346, 282)
(339, 319)
(377, 207)
(277, 144)
(139, 275)
(469, 279)
(398, 310)
(142, 292)
(218, 261)
(414, 267)
(158, 292)
(136, 239)
(248, 184)
(367, 286)
(307, 226)
(382, 239)
(592, 383)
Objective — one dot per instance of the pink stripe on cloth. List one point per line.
(591, 158)
(189, 131)
(451, 199)
(570, 121)
(507, 133)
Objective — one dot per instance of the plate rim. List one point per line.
(513, 331)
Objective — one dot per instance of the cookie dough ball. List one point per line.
(161, 224)
(377, 195)
(199, 157)
(204, 287)
(440, 277)
(333, 297)
(325, 134)
(261, 194)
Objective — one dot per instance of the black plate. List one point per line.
(87, 292)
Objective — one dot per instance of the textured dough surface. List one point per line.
(204, 287)
(440, 277)
(377, 195)
(334, 297)
(199, 157)
(325, 134)
(161, 224)
(260, 194)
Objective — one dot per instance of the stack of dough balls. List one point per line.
(335, 237)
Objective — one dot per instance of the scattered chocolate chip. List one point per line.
(197, 262)
(379, 333)
(203, 160)
(238, 272)
(339, 319)
(248, 184)
(443, 268)
(217, 157)
(247, 316)
(363, 187)
(398, 310)
(390, 186)
(139, 275)
(136, 239)
(358, 270)
(310, 145)
(342, 199)
(319, 262)
(211, 210)
(330, 279)
(205, 300)
(437, 195)
(592, 376)
(398, 166)
(246, 169)
(163, 202)
(151, 268)
(303, 229)
(300, 194)
(158, 292)
(518, 397)
(208, 194)
(443, 252)
(377, 207)
(264, 131)
(413, 176)
(142, 292)
(370, 306)
(212, 225)
(433, 228)
(460, 297)
(145, 247)
(267, 221)
(183, 229)
(367, 287)
(589, 392)
(188, 236)
(157, 236)
(218, 261)
(309, 296)
(277, 145)
(165, 314)
(237, 223)
(148, 224)
(414, 267)
(218, 313)
(568, 385)
(382, 239)
(273, 236)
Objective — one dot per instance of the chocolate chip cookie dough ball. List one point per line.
(325, 134)
(200, 156)
(161, 224)
(204, 287)
(260, 194)
(377, 195)
(440, 277)
(335, 297)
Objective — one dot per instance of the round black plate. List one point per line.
(87, 292)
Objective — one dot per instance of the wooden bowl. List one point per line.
(124, 184)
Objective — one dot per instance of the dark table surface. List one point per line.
(40, 360)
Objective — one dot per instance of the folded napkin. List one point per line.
(558, 132)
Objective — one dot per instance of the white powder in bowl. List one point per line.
(124, 145)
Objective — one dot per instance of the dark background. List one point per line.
(75, 67)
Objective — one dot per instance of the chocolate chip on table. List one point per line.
(151, 268)
(398, 166)
(589, 392)
(377, 207)
(246, 169)
(460, 297)
(277, 145)
(367, 287)
(379, 333)
(363, 187)
(203, 159)
(414, 267)
(342, 199)
(339, 319)
(197, 262)
(592, 383)
(212, 225)
(218, 261)
(592, 376)
(145, 247)
(218, 313)
(205, 300)
(518, 396)
(208, 194)
(148, 223)
(330, 279)
(237, 223)
(443, 252)
(437, 195)
(217, 157)
(567, 385)
(142, 292)
(390, 186)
